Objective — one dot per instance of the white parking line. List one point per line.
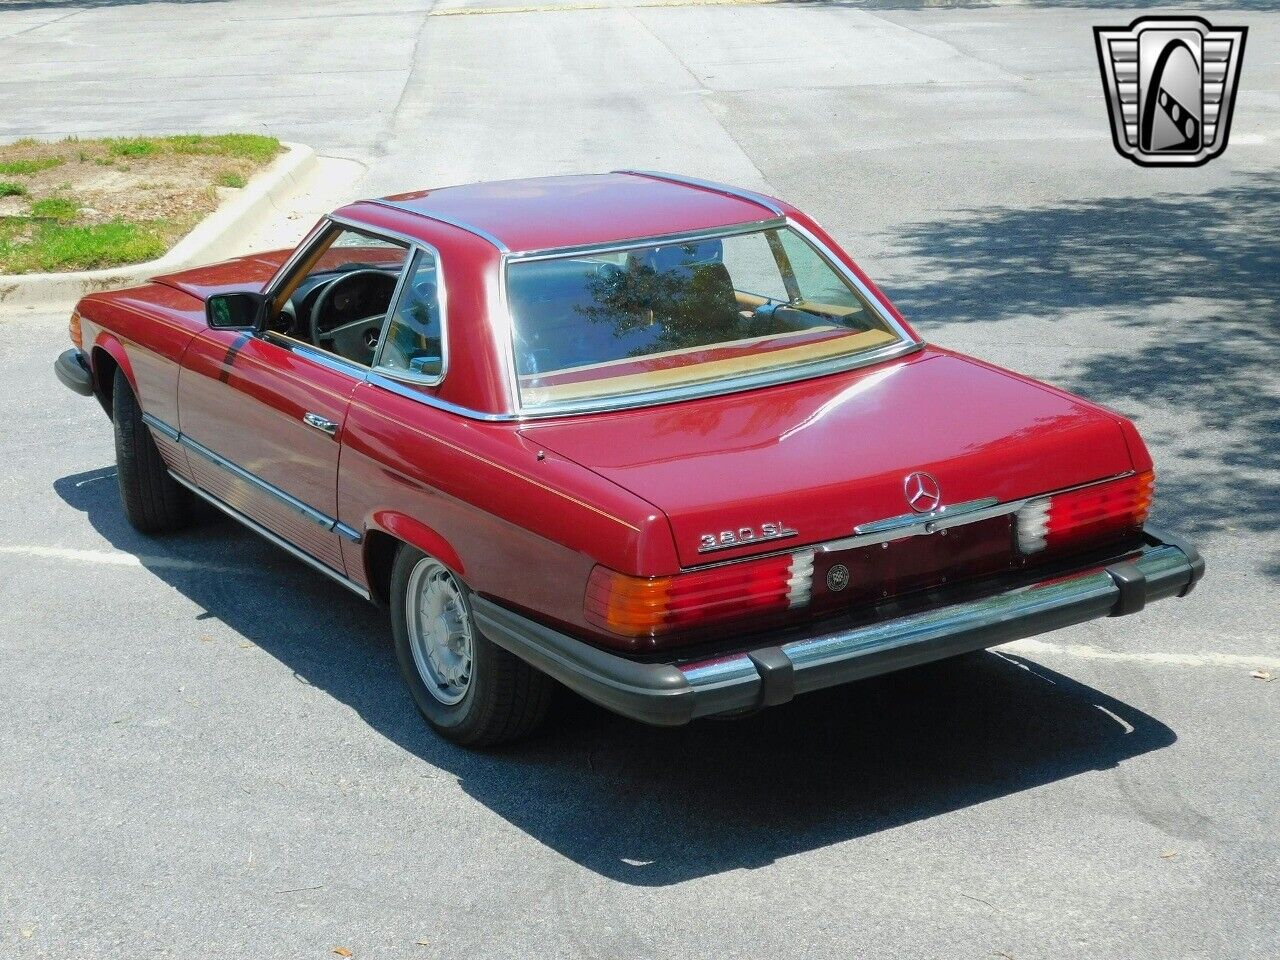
(117, 558)
(1082, 651)
(1031, 647)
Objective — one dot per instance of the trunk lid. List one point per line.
(822, 456)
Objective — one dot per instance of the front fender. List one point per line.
(107, 344)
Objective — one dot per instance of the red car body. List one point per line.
(524, 507)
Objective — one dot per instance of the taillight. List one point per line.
(653, 606)
(1099, 512)
(73, 329)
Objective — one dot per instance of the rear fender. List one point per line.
(417, 534)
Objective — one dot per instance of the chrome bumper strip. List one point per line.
(734, 682)
(669, 694)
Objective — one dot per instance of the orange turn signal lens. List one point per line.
(651, 606)
(73, 329)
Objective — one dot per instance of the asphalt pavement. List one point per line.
(205, 749)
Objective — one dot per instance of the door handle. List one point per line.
(323, 424)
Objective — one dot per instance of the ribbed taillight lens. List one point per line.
(653, 606)
(1097, 513)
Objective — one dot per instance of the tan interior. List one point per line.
(701, 372)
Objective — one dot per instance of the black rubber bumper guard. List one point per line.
(74, 372)
(669, 695)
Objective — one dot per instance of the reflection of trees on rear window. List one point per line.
(681, 304)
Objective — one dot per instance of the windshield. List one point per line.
(609, 325)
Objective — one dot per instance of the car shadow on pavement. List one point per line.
(652, 807)
(1169, 302)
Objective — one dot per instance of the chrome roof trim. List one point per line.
(722, 188)
(471, 228)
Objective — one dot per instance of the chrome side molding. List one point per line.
(292, 502)
(266, 534)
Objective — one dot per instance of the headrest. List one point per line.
(678, 255)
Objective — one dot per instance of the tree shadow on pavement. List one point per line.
(1171, 301)
(652, 807)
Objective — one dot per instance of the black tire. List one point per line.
(505, 698)
(153, 501)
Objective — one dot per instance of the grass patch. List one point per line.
(85, 204)
(55, 208)
(133, 147)
(246, 146)
(26, 167)
(51, 246)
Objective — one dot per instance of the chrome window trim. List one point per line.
(266, 534)
(472, 229)
(906, 344)
(502, 325)
(311, 513)
(414, 247)
(315, 354)
(737, 193)
(442, 303)
(404, 388)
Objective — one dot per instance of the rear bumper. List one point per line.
(671, 694)
(74, 372)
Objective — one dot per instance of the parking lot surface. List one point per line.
(205, 749)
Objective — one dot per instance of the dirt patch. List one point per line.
(82, 204)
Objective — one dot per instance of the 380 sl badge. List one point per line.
(728, 539)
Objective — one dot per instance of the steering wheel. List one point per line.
(354, 339)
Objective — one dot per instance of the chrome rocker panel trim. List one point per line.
(669, 694)
(292, 502)
(266, 534)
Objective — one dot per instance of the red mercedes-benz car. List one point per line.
(655, 438)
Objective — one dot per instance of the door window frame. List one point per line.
(305, 255)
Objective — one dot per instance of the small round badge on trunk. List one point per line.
(837, 578)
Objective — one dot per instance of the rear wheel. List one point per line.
(468, 688)
(153, 501)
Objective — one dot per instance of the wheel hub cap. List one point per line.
(439, 625)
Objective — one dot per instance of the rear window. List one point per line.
(650, 319)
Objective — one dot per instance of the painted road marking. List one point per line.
(1031, 647)
(118, 558)
(1082, 651)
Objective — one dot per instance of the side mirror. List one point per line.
(236, 311)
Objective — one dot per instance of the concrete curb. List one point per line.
(213, 238)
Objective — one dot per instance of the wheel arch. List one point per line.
(384, 537)
(107, 356)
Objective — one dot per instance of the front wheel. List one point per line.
(153, 501)
(468, 688)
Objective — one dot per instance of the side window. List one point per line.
(817, 282)
(752, 266)
(339, 296)
(414, 343)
